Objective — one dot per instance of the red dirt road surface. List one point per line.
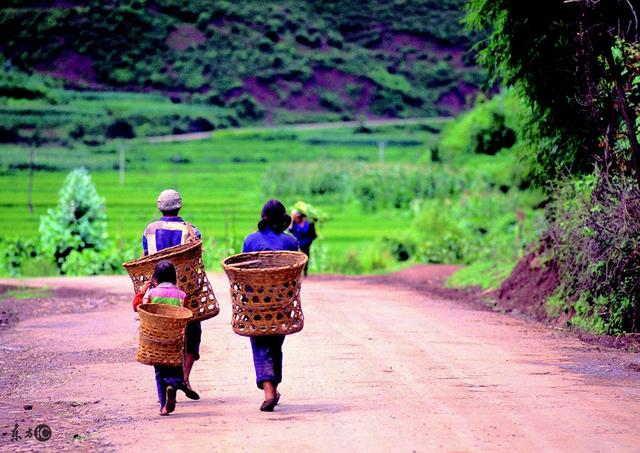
(378, 367)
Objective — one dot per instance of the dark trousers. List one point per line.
(306, 249)
(267, 358)
(168, 376)
(192, 338)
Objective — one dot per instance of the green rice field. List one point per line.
(223, 181)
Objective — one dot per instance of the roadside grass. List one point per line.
(25, 292)
(486, 274)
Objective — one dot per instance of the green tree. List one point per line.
(79, 221)
(560, 56)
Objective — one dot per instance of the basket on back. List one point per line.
(162, 334)
(192, 279)
(265, 292)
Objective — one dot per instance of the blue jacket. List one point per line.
(268, 239)
(305, 233)
(164, 233)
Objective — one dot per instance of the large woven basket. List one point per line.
(265, 292)
(192, 279)
(162, 334)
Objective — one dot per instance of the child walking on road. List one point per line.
(169, 379)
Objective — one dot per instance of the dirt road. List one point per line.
(299, 127)
(376, 368)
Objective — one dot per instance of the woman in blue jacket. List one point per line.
(267, 350)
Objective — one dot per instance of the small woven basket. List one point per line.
(192, 279)
(265, 292)
(162, 334)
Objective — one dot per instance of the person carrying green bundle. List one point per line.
(304, 216)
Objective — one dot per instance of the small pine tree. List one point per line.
(78, 222)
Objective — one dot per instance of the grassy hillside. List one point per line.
(218, 63)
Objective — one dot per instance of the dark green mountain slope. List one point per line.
(279, 61)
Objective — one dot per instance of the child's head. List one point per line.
(165, 272)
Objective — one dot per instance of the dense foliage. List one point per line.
(576, 65)
(595, 233)
(568, 61)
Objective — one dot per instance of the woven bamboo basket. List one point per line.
(192, 279)
(162, 334)
(265, 292)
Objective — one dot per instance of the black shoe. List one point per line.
(268, 405)
(189, 392)
(171, 399)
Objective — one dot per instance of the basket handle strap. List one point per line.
(191, 234)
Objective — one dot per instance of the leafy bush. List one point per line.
(487, 226)
(401, 248)
(335, 39)
(309, 40)
(201, 124)
(595, 238)
(393, 82)
(491, 126)
(79, 221)
(13, 252)
(96, 262)
(491, 138)
(247, 108)
(354, 261)
(19, 85)
(443, 239)
(121, 76)
(120, 129)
